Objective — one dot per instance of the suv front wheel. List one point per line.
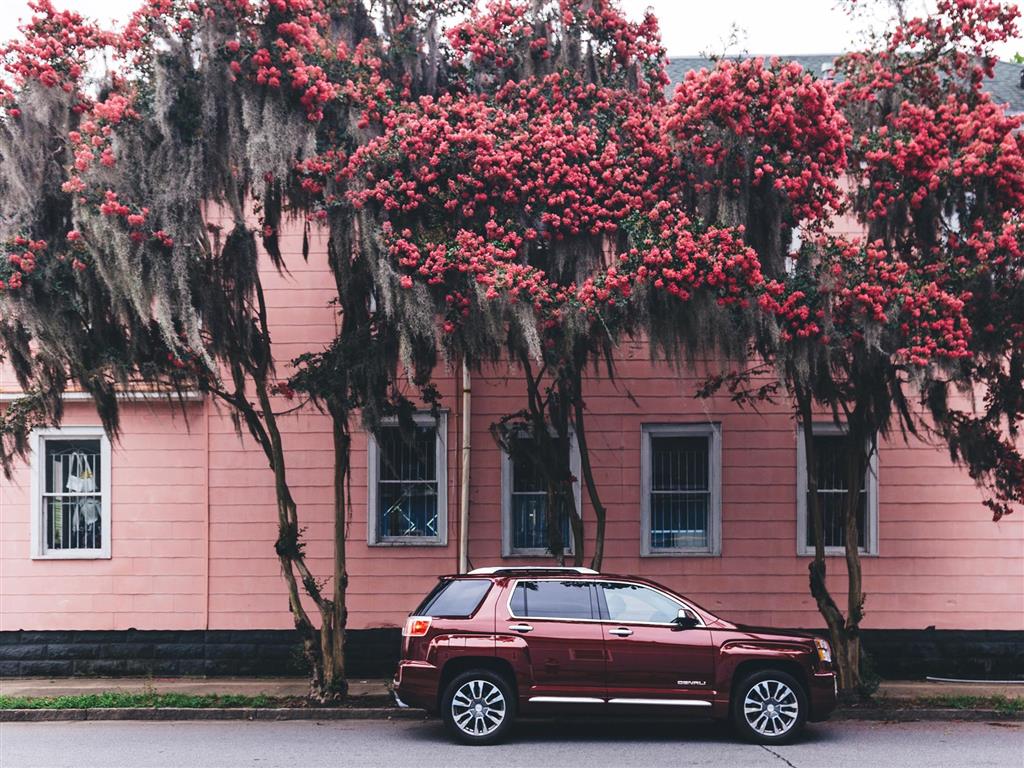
(769, 707)
(478, 707)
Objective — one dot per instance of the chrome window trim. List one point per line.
(673, 598)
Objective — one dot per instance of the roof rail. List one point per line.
(497, 570)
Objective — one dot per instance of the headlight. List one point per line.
(824, 650)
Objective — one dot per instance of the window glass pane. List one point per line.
(529, 521)
(832, 493)
(553, 599)
(679, 520)
(458, 598)
(680, 492)
(408, 509)
(529, 501)
(72, 503)
(679, 463)
(629, 602)
(408, 459)
(526, 475)
(407, 483)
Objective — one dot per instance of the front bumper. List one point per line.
(823, 694)
(415, 685)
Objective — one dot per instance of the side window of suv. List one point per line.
(633, 603)
(553, 600)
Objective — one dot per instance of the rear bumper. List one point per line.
(823, 694)
(415, 685)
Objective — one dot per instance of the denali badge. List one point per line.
(692, 683)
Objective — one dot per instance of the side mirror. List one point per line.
(685, 620)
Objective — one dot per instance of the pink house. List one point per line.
(155, 552)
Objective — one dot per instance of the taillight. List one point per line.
(416, 626)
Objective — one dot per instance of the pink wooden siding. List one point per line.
(193, 517)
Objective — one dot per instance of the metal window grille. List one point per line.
(407, 483)
(680, 499)
(72, 500)
(529, 503)
(832, 493)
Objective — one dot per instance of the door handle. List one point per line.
(620, 632)
(520, 627)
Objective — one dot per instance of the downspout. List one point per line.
(464, 480)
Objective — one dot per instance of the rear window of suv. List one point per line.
(454, 599)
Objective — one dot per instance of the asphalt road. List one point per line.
(564, 744)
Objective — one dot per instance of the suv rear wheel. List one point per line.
(769, 707)
(478, 707)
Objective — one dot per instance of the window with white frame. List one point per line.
(830, 448)
(524, 499)
(408, 483)
(681, 485)
(70, 493)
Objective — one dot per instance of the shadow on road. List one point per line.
(562, 730)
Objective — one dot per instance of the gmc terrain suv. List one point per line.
(495, 643)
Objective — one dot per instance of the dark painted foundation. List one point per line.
(213, 653)
(904, 654)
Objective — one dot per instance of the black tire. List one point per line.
(763, 707)
(495, 698)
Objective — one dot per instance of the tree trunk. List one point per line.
(817, 569)
(333, 629)
(856, 467)
(600, 513)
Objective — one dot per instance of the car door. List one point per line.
(557, 621)
(649, 659)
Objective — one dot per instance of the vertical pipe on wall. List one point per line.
(464, 479)
(206, 512)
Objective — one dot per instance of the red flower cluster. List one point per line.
(951, 47)
(499, 38)
(19, 259)
(54, 49)
(672, 255)
(924, 153)
(489, 38)
(293, 46)
(756, 124)
(859, 292)
(541, 161)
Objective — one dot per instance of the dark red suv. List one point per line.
(487, 646)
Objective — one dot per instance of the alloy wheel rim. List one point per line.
(478, 707)
(771, 708)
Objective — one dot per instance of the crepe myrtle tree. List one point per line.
(532, 211)
(129, 204)
(883, 331)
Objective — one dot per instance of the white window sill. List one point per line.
(80, 555)
(680, 553)
(410, 542)
(834, 552)
(532, 553)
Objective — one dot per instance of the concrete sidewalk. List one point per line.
(287, 687)
(277, 687)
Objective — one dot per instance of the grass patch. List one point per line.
(1000, 703)
(1008, 705)
(149, 700)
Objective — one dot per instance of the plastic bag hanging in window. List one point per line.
(81, 478)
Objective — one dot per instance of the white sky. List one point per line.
(688, 27)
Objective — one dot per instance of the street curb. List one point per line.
(392, 713)
(911, 714)
(211, 713)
